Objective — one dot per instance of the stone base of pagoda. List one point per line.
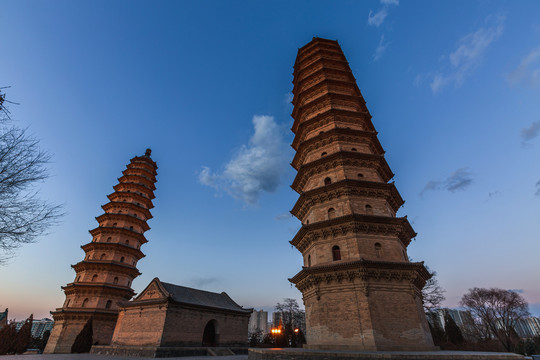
(302, 354)
(68, 324)
(365, 305)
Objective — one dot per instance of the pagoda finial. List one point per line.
(148, 152)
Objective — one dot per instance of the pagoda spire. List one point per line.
(103, 278)
(359, 288)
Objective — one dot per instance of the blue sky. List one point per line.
(453, 87)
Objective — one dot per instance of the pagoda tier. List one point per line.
(103, 279)
(358, 286)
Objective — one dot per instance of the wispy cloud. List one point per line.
(381, 48)
(257, 167)
(537, 193)
(458, 180)
(377, 18)
(529, 133)
(203, 281)
(528, 71)
(284, 216)
(467, 56)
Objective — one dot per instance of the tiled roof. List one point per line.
(185, 295)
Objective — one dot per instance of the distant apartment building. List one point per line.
(528, 327)
(38, 326)
(525, 328)
(462, 318)
(258, 321)
(3, 318)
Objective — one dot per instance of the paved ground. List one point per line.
(103, 357)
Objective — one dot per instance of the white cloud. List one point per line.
(257, 167)
(376, 19)
(528, 70)
(468, 55)
(381, 48)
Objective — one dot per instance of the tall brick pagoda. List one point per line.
(103, 279)
(359, 288)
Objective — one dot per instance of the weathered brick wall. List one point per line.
(140, 326)
(376, 314)
(185, 327)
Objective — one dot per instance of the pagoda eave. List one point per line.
(135, 187)
(325, 117)
(143, 181)
(355, 223)
(333, 135)
(329, 100)
(347, 187)
(137, 253)
(127, 205)
(364, 270)
(343, 158)
(98, 288)
(126, 217)
(135, 196)
(100, 264)
(115, 230)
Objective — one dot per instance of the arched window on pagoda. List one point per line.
(114, 225)
(108, 304)
(378, 250)
(336, 253)
(360, 175)
(324, 154)
(109, 239)
(122, 259)
(309, 260)
(85, 302)
(327, 181)
(331, 213)
(353, 149)
(369, 209)
(102, 257)
(129, 283)
(94, 278)
(127, 242)
(115, 281)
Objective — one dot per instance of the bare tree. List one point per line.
(496, 312)
(290, 312)
(432, 293)
(23, 214)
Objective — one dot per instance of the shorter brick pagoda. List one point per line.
(103, 279)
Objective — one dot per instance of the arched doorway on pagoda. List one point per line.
(210, 334)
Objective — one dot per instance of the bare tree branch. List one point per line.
(23, 214)
(496, 313)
